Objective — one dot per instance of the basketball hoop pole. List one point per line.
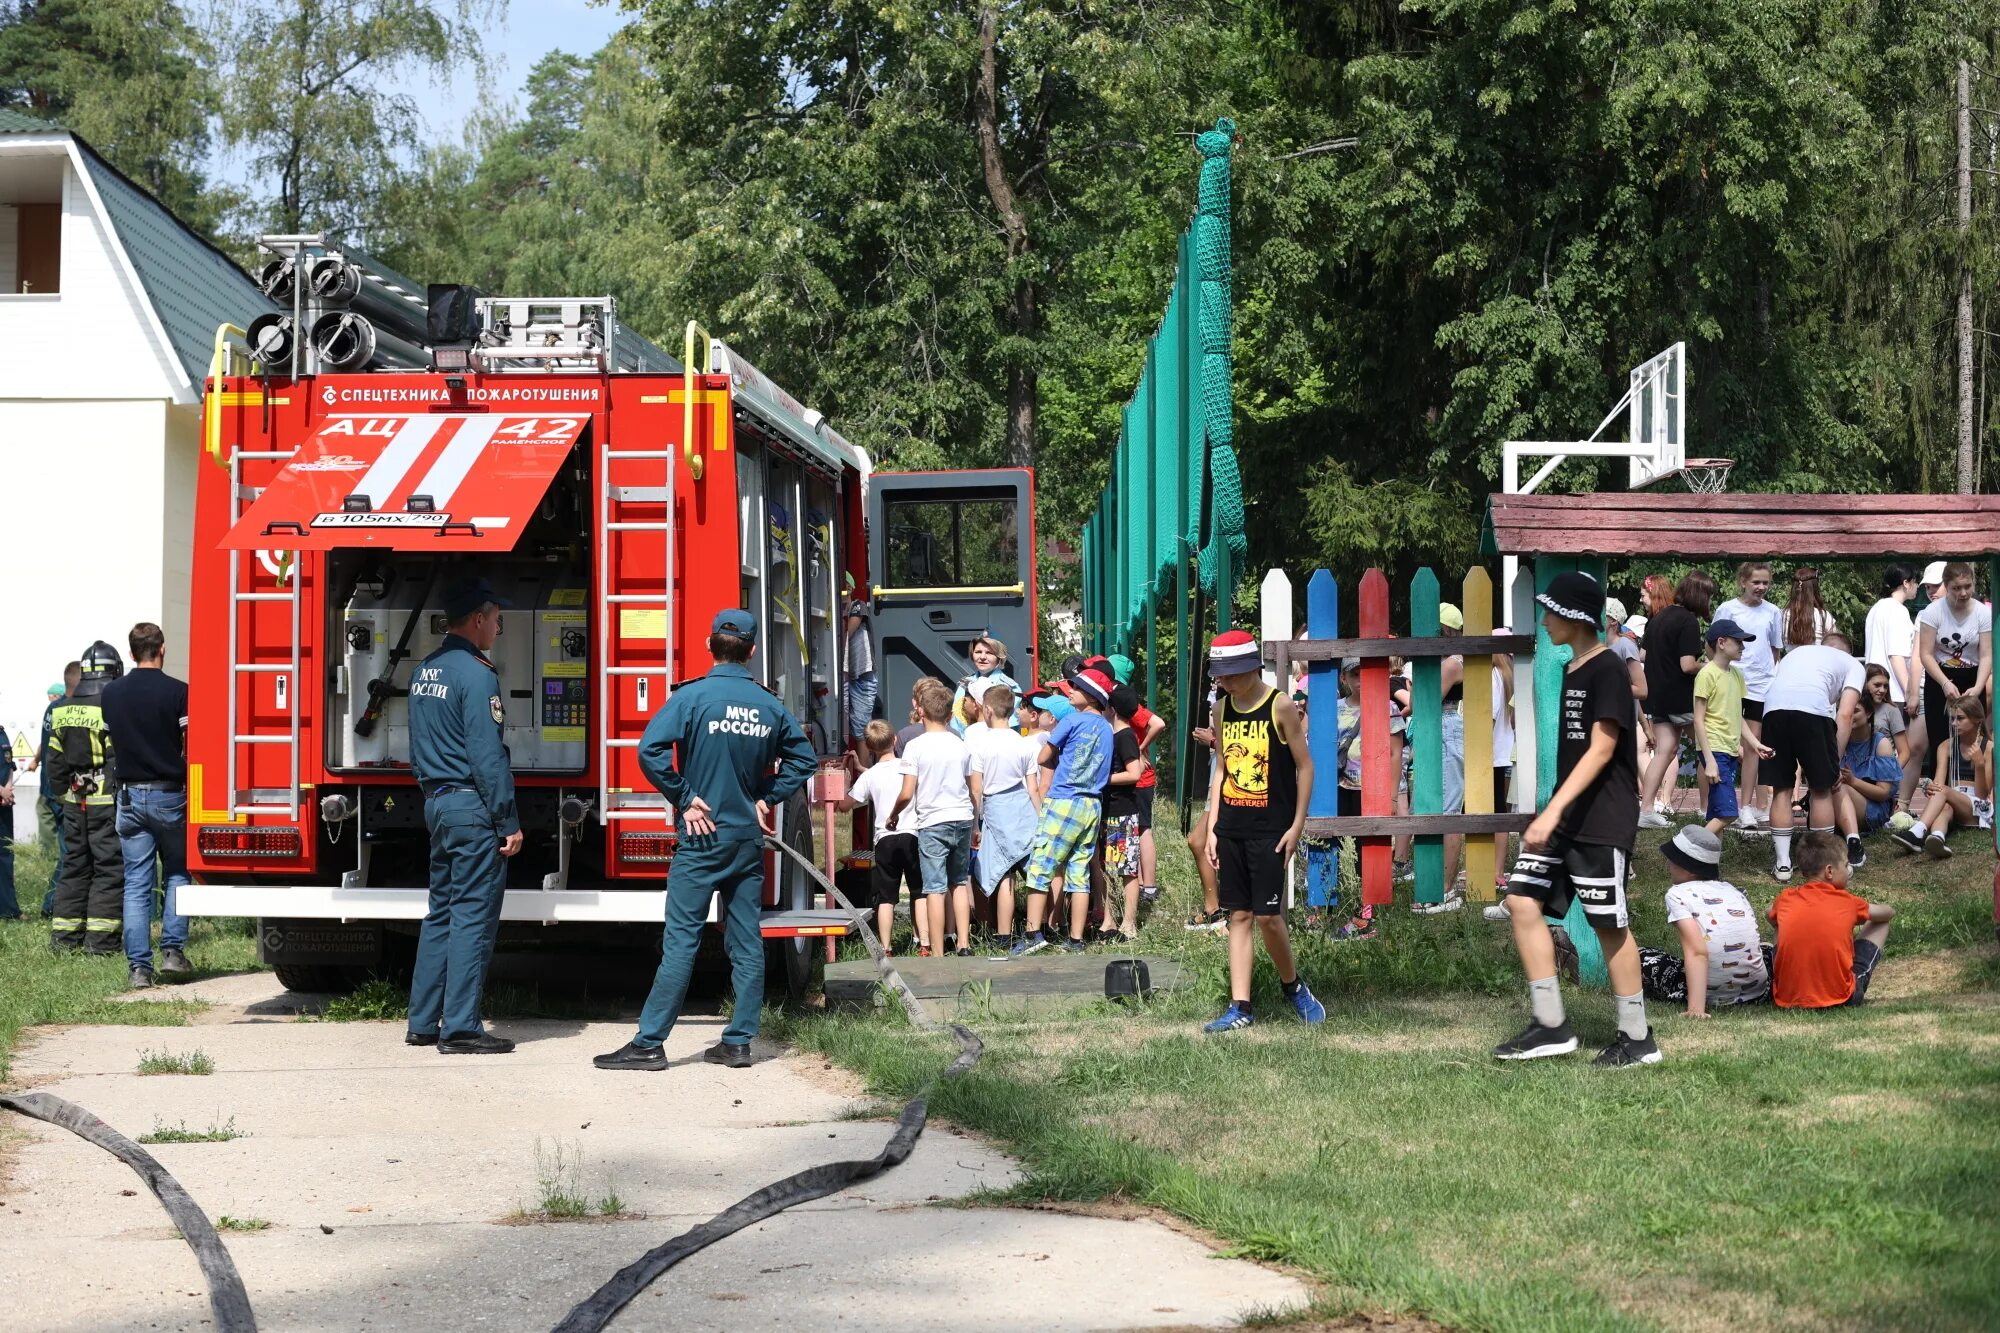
(1654, 399)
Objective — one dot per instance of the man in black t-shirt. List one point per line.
(1580, 844)
(146, 714)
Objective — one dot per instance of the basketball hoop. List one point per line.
(1707, 476)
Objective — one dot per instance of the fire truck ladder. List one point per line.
(612, 522)
(261, 801)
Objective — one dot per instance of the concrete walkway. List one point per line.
(388, 1175)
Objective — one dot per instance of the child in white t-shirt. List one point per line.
(936, 794)
(1723, 961)
(1006, 795)
(879, 787)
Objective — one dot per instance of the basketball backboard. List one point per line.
(1657, 412)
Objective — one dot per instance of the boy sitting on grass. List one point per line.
(1078, 749)
(1719, 688)
(1257, 794)
(936, 765)
(880, 787)
(1829, 940)
(1722, 959)
(1580, 845)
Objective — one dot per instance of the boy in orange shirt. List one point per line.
(1829, 941)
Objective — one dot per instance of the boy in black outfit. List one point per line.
(1581, 843)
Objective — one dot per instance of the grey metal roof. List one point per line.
(192, 286)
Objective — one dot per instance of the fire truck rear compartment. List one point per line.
(385, 615)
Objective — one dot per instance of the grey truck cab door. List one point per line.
(951, 557)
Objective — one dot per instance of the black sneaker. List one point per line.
(1857, 855)
(1629, 1052)
(476, 1043)
(420, 1039)
(728, 1054)
(634, 1056)
(141, 979)
(1072, 946)
(174, 963)
(1003, 944)
(963, 953)
(1907, 839)
(1534, 1042)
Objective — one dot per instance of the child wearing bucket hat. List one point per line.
(1723, 962)
(1579, 848)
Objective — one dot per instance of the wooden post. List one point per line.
(1426, 737)
(1323, 735)
(1274, 616)
(1378, 775)
(1477, 710)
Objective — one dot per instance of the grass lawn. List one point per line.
(1780, 1169)
(37, 986)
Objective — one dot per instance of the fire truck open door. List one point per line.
(951, 557)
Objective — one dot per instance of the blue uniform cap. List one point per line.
(465, 596)
(737, 622)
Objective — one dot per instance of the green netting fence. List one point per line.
(1175, 497)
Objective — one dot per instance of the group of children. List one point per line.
(990, 789)
(1828, 941)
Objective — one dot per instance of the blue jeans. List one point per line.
(861, 695)
(468, 889)
(1453, 735)
(702, 868)
(152, 825)
(945, 853)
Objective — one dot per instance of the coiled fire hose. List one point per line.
(815, 1182)
(230, 1302)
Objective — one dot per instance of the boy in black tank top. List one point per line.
(1580, 845)
(1256, 814)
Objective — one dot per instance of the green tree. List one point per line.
(132, 77)
(306, 99)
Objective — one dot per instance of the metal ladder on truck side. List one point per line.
(617, 594)
(261, 801)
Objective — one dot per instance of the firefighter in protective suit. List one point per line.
(90, 896)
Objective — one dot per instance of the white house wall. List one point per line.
(94, 339)
(90, 506)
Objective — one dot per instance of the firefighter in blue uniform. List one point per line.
(710, 752)
(456, 718)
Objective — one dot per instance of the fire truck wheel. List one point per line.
(319, 977)
(794, 966)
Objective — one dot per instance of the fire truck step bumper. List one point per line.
(551, 907)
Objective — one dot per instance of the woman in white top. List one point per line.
(1955, 649)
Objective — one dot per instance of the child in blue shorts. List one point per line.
(937, 793)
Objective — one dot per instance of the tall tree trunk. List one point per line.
(1024, 308)
(1966, 458)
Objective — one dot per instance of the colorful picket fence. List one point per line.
(1538, 667)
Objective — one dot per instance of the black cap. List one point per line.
(1575, 596)
(467, 595)
(1071, 665)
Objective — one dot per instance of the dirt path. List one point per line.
(388, 1176)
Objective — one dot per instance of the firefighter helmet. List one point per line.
(101, 666)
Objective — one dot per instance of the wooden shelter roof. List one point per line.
(1710, 527)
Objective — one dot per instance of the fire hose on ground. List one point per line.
(230, 1302)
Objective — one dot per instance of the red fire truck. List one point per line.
(618, 510)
